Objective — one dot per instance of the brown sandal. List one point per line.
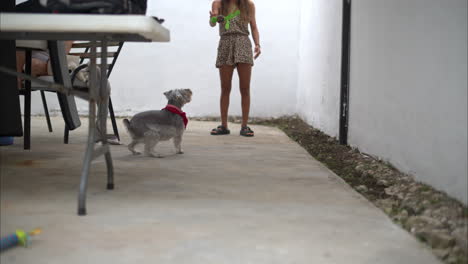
(246, 132)
(220, 130)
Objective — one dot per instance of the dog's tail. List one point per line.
(127, 125)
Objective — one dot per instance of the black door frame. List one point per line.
(345, 72)
(10, 110)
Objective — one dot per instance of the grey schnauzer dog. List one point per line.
(150, 127)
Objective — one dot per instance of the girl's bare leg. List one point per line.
(245, 73)
(225, 73)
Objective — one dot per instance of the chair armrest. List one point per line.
(61, 75)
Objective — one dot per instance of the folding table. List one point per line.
(94, 28)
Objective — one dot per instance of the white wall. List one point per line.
(145, 70)
(318, 94)
(409, 87)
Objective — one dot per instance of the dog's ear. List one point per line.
(188, 91)
(168, 94)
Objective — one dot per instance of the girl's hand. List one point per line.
(214, 12)
(212, 24)
(258, 51)
(219, 18)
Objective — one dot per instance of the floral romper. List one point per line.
(234, 45)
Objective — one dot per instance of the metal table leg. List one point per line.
(88, 158)
(103, 111)
(98, 96)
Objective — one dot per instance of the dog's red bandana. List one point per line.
(176, 110)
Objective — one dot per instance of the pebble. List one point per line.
(403, 215)
(437, 238)
(461, 236)
(386, 205)
(425, 203)
(414, 188)
(442, 253)
(391, 190)
(422, 221)
(383, 182)
(362, 188)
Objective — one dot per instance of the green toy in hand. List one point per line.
(218, 19)
(221, 19)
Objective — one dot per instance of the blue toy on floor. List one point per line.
(6, 141)
(19, 238)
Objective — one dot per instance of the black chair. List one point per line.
(82, 49)
(67, 102)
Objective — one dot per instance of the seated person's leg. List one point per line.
(39, 63)
(20, 61)
(68, 46)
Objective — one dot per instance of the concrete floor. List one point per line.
(227, 200)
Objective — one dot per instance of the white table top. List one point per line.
(81, 27)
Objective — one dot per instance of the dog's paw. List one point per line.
(180, 152)
(136, 153)
(154, 155)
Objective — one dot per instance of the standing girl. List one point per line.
(235, 51)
